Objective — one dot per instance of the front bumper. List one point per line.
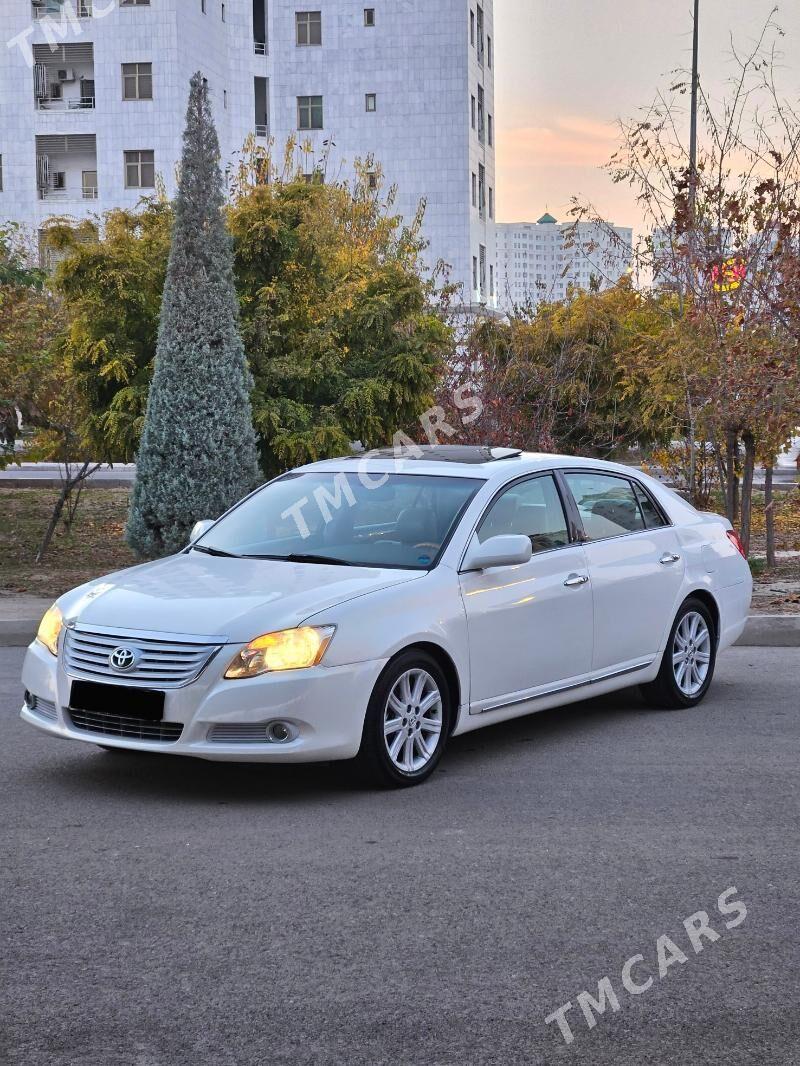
(325, 706)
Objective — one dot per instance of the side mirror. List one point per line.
(199, 528)
(509, 549)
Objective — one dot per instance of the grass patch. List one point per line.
(92, 547)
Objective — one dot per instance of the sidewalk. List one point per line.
(20, 617)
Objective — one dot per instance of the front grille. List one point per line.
(238, 733)
(116, 725)
(160, 663)
(44, 708)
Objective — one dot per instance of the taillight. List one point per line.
(733, 537)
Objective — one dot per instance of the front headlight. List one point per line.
(49, 629)
(288, 649)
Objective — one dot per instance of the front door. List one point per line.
(635, 566)
(530, 626)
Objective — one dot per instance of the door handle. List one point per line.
(575, 580)
(668, 558)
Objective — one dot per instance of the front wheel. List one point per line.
(689, 658)
(407, 722)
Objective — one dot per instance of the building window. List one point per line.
(473, 110)
(225, 99)
(309, 112)
(371, 101)
(472, 27)
(490, 130)
(481, 190)
(222, 11)
(369, 16)
(491, 281)
(479, 35)
(1, 173)
(140, 170)
(261, 95)
(489, 52)
(474, 271)
(143, 3)
(202, 6)
(309, 27)
(89, 184)
(481, 115)
(137, 81)
(474, 189)
(482, 275)
(491, 202)
(372, 180)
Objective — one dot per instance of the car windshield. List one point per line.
(350, 519)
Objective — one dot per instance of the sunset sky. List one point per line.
(566, 70)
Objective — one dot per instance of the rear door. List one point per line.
(635, 566)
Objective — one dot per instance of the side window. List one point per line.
(530, 507)
(608, 505)
(652, 516)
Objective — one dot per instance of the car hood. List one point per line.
(234, 599)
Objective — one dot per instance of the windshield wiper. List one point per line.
(300, 557)
(214, 551)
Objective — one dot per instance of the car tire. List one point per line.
(687, 666)
(407, 723)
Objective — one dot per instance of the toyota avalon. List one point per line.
(370, 607)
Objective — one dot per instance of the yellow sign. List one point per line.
(728, 275)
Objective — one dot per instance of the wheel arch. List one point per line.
(708, 600)
(447, 666)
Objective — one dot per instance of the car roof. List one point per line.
(455, 460)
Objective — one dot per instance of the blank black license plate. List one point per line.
(117, 699)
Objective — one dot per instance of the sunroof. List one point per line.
(471, 454)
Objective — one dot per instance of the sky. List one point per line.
(567, 70)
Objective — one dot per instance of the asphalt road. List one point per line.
(157, 912)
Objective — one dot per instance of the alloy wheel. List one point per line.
(412, 720)
(691, 653)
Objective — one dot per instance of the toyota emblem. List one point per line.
(123, 659)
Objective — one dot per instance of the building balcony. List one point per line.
(58, 9)
(63, 78)
(66, 169)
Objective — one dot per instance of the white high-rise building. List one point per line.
(93, 98)
(540, 260)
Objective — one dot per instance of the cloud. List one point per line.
(544, 166)
(569, 141)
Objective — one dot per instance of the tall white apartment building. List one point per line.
(93, 97)
(539, 260)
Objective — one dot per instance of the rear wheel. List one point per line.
(407, 722)
(687, 666)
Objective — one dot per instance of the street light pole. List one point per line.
(693, 217)
(693, 118)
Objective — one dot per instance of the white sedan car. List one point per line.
(370, 607)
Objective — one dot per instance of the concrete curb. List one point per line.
(762, 631)
(771, 631)
(55, 483)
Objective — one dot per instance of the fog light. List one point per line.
(279, 732)
(30, 700)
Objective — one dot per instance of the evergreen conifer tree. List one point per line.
(198, 448)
